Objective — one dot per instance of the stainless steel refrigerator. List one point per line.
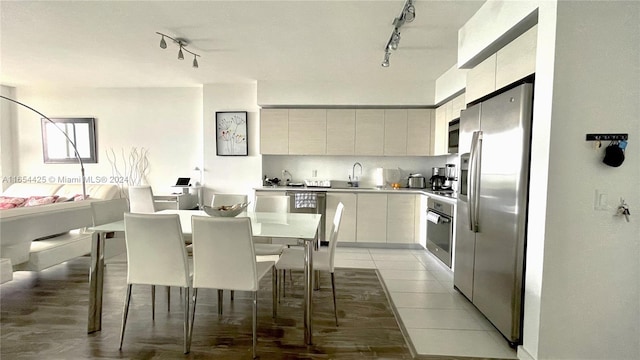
(495, 137)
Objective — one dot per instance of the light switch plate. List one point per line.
(601, 201)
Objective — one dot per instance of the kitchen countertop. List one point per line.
(363, 190)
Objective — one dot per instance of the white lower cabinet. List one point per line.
(371, 224)
(401, 221)
(347, 231)
(386, 218)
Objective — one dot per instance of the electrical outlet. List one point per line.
(314, 173)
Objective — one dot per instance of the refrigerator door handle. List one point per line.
(474, 179)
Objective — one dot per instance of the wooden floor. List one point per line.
(44, 316)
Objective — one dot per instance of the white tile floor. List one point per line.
(438, 319)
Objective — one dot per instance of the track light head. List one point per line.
(395, 39)
(182, 43)
(385, 62)
(409, 13)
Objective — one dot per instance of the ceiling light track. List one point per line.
(407, 15)
(182, 43)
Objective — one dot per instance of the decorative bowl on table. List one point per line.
(225, 210)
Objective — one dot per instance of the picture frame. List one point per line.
(57, 137)
(231, 133)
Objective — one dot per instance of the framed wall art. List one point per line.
(231, 133)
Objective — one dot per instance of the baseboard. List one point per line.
(524, 354)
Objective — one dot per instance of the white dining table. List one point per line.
(302, 226)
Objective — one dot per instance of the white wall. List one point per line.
(582, 297)
(166, 121)
(590, 306)
(340, 93)
(7, 114)
(231, 174)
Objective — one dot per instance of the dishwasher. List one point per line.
(440, 229)
(310, 202)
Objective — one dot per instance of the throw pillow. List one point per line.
(40, 200)
(7, 202)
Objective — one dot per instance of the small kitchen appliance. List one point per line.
(450, 176)
(437, 178)
(417, 181)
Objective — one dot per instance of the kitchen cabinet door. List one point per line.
(419, 132)
(369, 132)
(341, 131)
(274, 131)
(395, 132)
(401, 223)
(458, 104)
(517, 59)
(439, 130)
(347, 231)
(307, 131)
(371, 224)
(481, 80)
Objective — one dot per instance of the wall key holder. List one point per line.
(607, 137)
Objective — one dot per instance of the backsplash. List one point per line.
(340, 167)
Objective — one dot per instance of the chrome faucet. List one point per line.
(286, 179)
(353, 179)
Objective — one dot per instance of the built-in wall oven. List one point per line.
(453, 136)
(440, 229)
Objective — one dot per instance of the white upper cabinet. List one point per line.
(341, 131)
(274, 131)
(369, 132)
(517, 59)
(395, 132)
(307, 131)
(439, 128)
(419, 132)
(513, 62)
(481, 80)
(457, 105)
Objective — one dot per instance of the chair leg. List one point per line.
(168, 298)
(193, 315)
(333, 287)
(187, 345)
(274, 290)
(255, 322)
(125, 313)
(220, 302)
(232, 292)
(153, 302)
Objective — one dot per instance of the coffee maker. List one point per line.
(450, 176)
(437, 178)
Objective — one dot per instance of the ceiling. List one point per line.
(114, 43)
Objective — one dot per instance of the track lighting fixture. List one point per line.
(408, 14)
(182, 43)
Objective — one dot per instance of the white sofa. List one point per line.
(61, 224)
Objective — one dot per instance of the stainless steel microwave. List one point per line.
(454, 136)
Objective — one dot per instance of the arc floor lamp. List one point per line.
(75, 149)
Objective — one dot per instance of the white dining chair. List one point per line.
(323, 259)
(108, 211)
(224, 258)
(228, 199)
(141, 200)
(156, 255)
(275, 204)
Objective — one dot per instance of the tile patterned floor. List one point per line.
(438, 319)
